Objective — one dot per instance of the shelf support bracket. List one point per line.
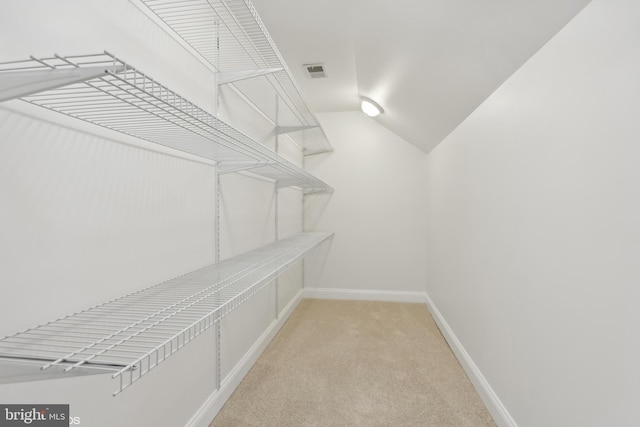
(283, 183)
(229, 167)
(307, 152)
(16, 84)
(234, 76)
(290, 129)
(308, 192)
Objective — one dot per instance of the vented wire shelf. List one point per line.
(104, 90)
(230, 35)
(131, 335)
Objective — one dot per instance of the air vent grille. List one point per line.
(316, 71)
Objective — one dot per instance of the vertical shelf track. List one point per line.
(277, 215)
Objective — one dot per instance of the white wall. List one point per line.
(377, 210)
(534, 230)
(87, 215)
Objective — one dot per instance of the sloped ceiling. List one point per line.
(429, 63)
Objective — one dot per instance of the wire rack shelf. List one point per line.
(105, 90)
(230, 35)
(132, 335)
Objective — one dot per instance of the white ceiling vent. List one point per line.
(316, 71)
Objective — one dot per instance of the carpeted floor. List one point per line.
(356, 363)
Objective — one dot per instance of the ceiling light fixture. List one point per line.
(370, 107)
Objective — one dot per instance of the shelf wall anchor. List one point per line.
(16, 84)
(234, 76)
(280, 130)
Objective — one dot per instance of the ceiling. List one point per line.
(428, 63)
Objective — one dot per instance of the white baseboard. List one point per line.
(214, 403)
(211, 407)
(493, 403)
(365, 295)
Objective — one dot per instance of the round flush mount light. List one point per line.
(370, 107)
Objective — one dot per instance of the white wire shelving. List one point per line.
(132, 335)
(230, 35)
(105, 90)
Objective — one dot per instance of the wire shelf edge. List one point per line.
(104, 90)
(132, 335)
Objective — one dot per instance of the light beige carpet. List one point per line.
(356, 363)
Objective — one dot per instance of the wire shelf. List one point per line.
(230, 35)
(131, 335)
(104, 90)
